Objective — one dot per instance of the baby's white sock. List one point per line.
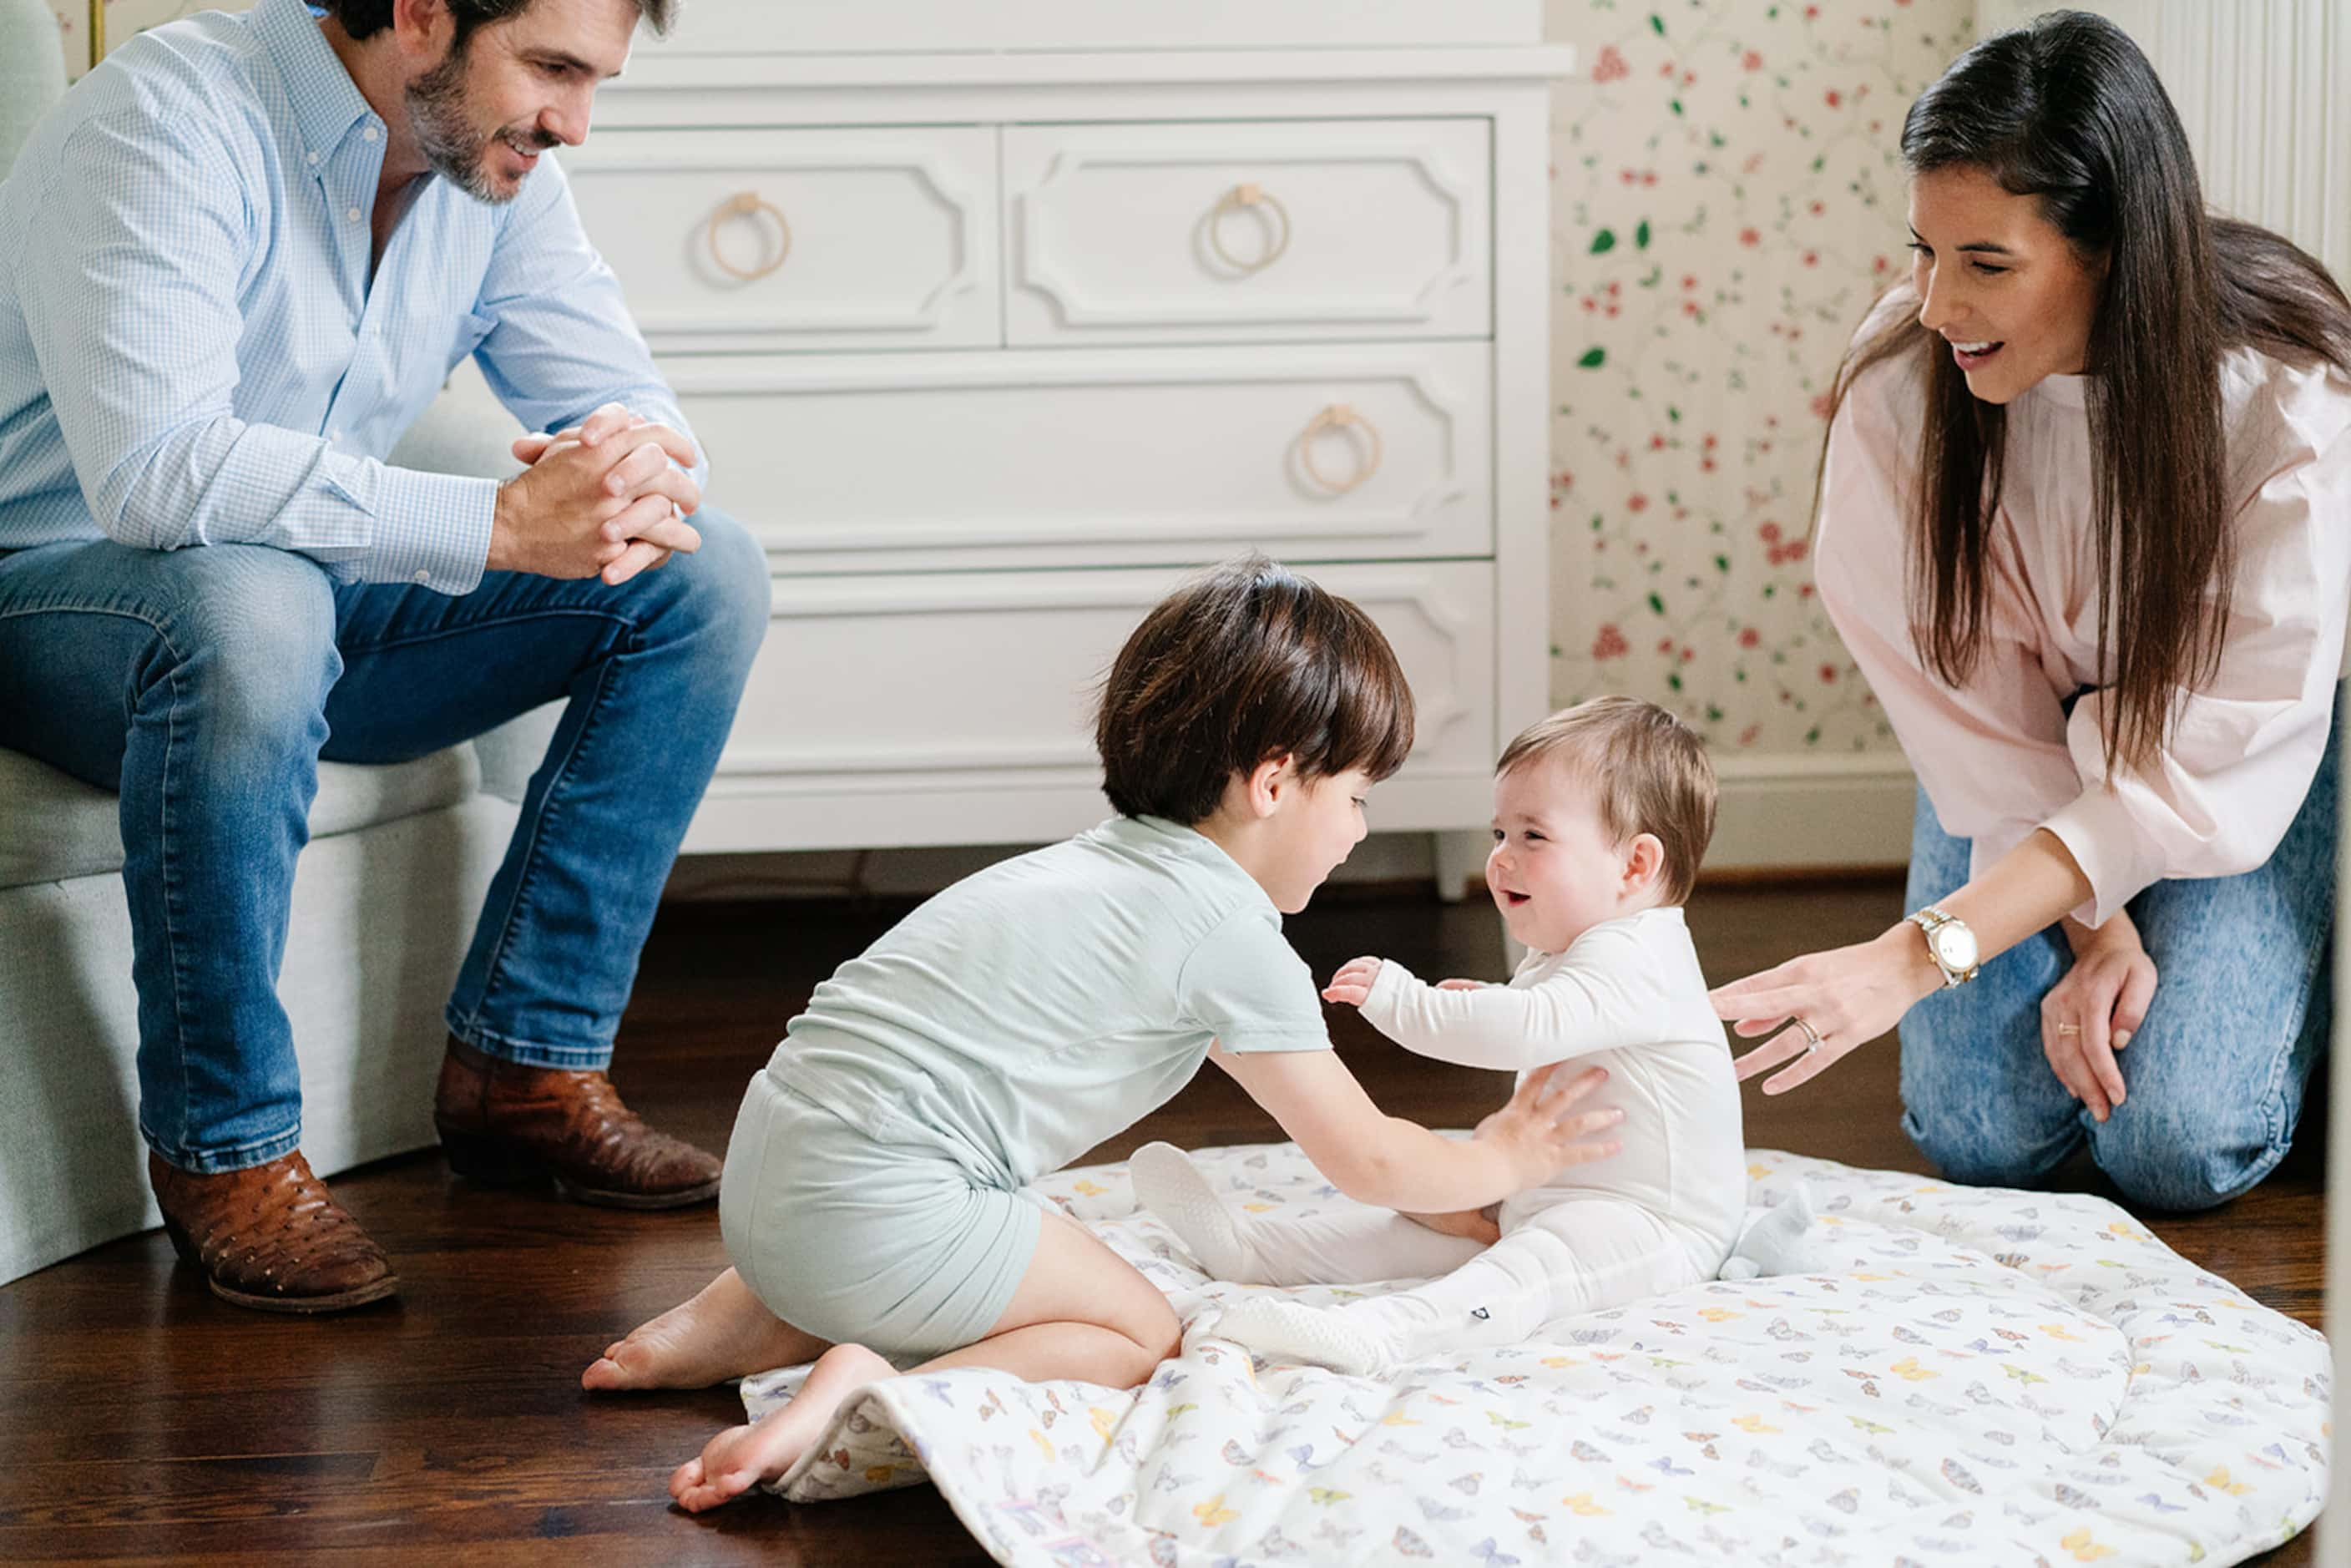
(1168, 1183)
(1500, 1297)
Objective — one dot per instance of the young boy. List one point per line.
(872, 1202)
(1602, 814)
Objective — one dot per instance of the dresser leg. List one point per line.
(1460, 856)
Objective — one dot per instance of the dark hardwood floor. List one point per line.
(142, 1420)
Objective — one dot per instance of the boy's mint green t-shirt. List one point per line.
(1031, 1010)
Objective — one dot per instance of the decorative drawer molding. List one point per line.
(799, 239)
(1092, 458)
(1209, 231)
(943, 685)
(740, 27)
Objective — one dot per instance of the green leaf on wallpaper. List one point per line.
(1673, 413)
(1674, 679)
(1722, 563)
(1713, 713)
(1657, 24)
(1656, 275)
(1641, 235)
(1820, 163)
(1657, 603)
(1813, 736)
(1594, 359)
(1674, 104)
(1554, 651)
(1597, 522)
(1603, 241)
(1771, 589)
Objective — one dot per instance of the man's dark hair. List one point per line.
(1246, 662)
(364, 18)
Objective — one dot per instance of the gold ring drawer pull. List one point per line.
(748, 204)
(1342, 418)
(1250, 197)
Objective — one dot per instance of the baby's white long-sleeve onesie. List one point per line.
(1628, 996)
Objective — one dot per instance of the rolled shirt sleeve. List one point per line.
(2244, 747)
(562, 342)
(130, 279)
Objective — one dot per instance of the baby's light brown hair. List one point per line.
(1647, 772)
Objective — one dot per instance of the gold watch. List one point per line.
(1949, 944)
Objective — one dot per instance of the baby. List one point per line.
(1602, 814)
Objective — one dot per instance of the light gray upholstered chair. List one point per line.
(383, 904)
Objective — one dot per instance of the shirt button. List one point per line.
(354, 214)
(334, 435)
(312, 157)
(369, 134)
(421, 577)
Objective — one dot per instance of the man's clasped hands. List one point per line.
(608, 497)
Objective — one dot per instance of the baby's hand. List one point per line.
(1461, 985)
(1353, 983)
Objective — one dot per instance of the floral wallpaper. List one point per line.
(1726, 199)
(123, 18)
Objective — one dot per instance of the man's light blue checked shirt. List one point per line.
(192, 351)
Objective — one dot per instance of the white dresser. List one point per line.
(990, 346)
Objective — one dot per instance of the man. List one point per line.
(235, 265)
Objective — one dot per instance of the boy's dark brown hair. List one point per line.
(1246, 662)
(1647, 772)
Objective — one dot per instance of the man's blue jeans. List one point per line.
(2213, 1080)
(205, 685)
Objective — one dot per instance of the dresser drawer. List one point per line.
(897, 462)
(1219, 232)
(898, 708)
(799, 239)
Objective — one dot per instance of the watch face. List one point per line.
(1956, 945)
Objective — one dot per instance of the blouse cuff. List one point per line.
(2098, 829)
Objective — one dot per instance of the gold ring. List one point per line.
(1811, 1033)
(2069, 1029)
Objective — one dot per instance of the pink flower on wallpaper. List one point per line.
(1752, 60)
(1828, 674)
(1751, 236)
(1768, 533)
(1835, 98)
(1748, 637)
(1820, 406)
(1610, 644)
(1611, 65)
(1636, 502)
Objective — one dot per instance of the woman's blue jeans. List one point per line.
(2213, 1080)
(205, 685)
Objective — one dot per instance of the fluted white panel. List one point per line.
(2264, 90)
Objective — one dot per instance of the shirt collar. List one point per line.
(327, 103)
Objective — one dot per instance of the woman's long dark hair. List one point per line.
(2066, 110)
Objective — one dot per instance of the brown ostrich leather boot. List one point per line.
(270, 1237)
(503, 1123)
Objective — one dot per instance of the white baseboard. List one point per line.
(1802, 811)
(1778, 814)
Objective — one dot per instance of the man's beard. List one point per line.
(452, 149)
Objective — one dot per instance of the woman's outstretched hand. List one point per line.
(1848, 995)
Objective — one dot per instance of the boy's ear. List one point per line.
(1645, 860)
(1267, 783)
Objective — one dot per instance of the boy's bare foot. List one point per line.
(741, 1458)
(724, 1332)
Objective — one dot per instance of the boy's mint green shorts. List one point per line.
(868, 1234)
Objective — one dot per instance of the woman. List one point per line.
(2085, 526)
